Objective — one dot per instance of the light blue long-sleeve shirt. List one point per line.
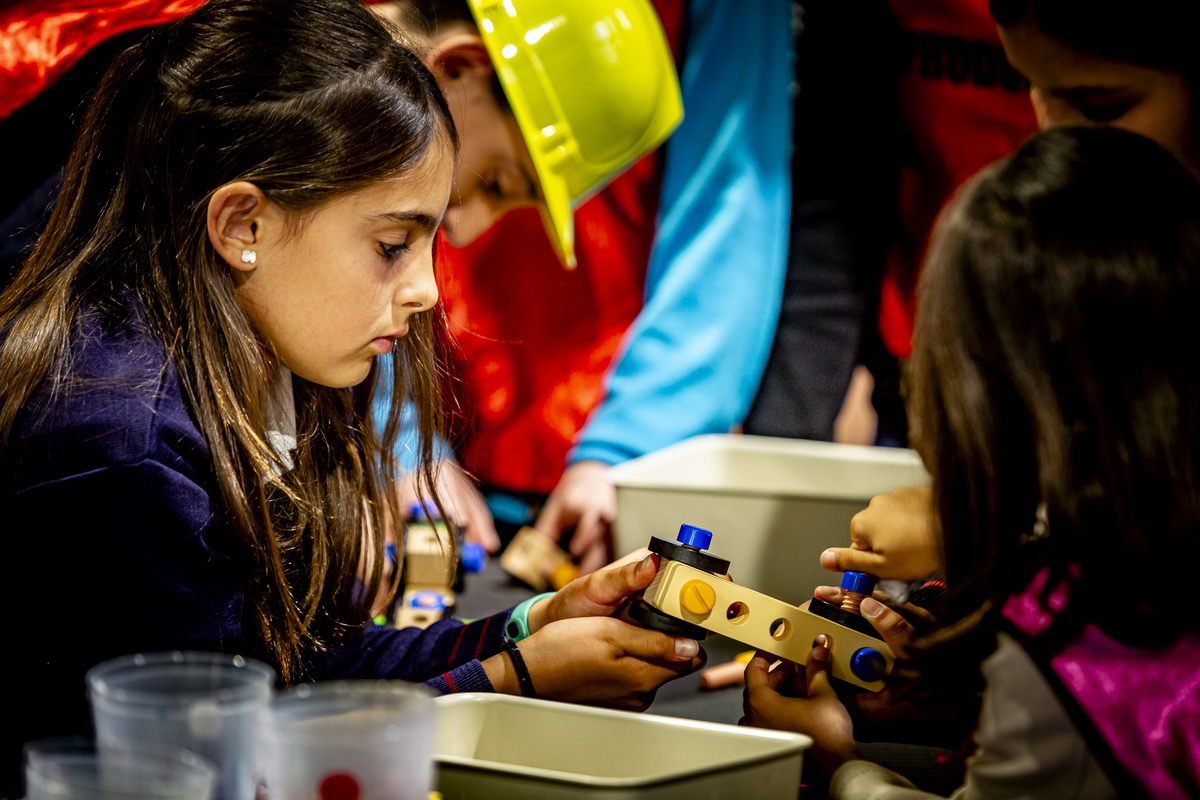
(693, 358)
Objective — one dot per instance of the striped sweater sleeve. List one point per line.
(446, 656)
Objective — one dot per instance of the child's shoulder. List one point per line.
(120, 403)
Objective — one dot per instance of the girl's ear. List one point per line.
(236, 216)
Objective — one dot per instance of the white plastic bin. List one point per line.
(498, 747)
(773, 505)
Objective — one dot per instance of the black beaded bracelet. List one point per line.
(518, 662)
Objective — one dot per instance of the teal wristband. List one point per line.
(517, 627)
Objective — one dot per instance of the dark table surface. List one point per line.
(493, 590)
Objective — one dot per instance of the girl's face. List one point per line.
(1072, 87)
(337, 288)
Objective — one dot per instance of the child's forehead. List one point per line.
(420, 185)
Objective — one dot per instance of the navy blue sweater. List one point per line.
(117, 543)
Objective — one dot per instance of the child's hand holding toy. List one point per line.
(577, 651)
(800, 698)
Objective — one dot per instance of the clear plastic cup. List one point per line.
(352, 740)
(67, 769)
(212, 704)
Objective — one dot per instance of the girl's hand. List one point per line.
(599, 594)
(814, 710)
(896, 631)
(598, 660)
(584, 500)
(895, 537)
(462, 499)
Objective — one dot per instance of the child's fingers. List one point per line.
(612, 585)
(816, 671)
(591, 529)
(550, 521)
(779, 674)
(758, 698)
(635, 557)
(894, 628)
(846, 559)
(757, 671)
(649, 645)
(830, 594)
(594, 558)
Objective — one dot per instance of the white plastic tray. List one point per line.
(499, 747)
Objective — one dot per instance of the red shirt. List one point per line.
(964, 107)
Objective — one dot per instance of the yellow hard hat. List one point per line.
(592, 85)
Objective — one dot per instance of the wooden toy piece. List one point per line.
(429, 575)
(761, 621)
(533, 558)
(726, 674)
(428, 555)
(420, 608)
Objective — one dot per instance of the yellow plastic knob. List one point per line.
(697, 597)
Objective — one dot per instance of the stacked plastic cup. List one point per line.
(212, 704)
(69, 770)
(352, 740)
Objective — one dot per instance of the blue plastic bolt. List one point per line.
(427, 599)
(858, 582)
(417, 513)
(691, 536)
(474, 557)
(868, 664)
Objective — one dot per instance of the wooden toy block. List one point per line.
(758, 620)
(428, 551)
(422, 606)
(538, 561)
(429, 575)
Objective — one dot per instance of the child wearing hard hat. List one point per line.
(658, 334)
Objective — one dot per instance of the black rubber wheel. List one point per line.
(650, 617)
(844, 618)
(688, 555)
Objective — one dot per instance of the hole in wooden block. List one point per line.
(781, 629)
(737, 613)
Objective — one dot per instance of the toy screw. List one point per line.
(693, 537)
(855, 586)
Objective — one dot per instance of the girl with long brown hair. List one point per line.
(1056, 403)
(245, 237)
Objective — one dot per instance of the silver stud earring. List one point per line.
(1041, 525)
(249, 256)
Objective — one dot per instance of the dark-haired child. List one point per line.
(1129, 65)
(244, 238)
(1056, 403)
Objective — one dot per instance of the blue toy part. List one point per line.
(858, 582)
(474, 557)
(868, 664)
(428, 600)
(419, 513)
(691, 536)
(416, 512)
